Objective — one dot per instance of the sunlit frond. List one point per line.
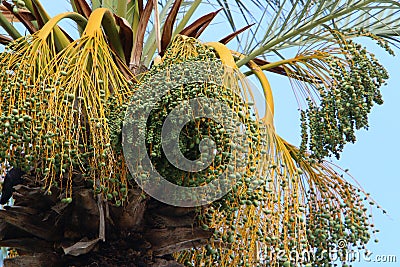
(305, 22)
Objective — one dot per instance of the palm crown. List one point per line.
(63, 104)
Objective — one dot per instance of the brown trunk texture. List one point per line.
(92, 232)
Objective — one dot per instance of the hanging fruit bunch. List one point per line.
(54, 108)
(64, 105)
(239, 139)
(329, 123)
(327, 220)
(294, 218)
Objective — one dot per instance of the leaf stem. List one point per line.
(297, 31)
(8, 27)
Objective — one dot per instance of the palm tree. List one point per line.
(71, 122)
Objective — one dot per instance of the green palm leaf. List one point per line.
(297, 23)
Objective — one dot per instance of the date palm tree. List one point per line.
(66, 102)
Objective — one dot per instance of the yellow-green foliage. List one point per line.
(54, 110)
(62, 111)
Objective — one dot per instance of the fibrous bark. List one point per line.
(48, 232)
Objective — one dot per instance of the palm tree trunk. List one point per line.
(48, 232)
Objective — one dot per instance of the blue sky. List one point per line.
(373, 160)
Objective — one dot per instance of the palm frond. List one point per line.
(126, 36)
(150, 45)
(199, 25)
(140, 33)
(82, 7)
(5, 40)
(297, 23)
(24, 17)
(229, 38)
(8, 27)
(168, 26)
